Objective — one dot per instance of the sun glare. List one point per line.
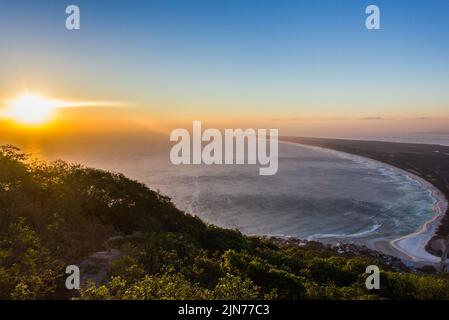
(31, 109)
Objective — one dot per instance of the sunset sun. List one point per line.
(31, 109)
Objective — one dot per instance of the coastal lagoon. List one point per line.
(317, 194)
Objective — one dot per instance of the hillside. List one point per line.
(56, 214)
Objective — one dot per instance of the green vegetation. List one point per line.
(56, 214)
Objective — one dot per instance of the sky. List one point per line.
(307, 67)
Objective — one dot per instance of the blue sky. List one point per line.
(283, 58)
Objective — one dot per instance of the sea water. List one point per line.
(317, 194)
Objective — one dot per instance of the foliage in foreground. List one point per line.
(55, 214)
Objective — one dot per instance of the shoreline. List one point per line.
(411, 247)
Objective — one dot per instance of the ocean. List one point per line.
(317, 194)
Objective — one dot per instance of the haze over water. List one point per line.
(316, 194)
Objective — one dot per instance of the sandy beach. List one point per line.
(411, 247)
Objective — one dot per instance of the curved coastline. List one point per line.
(410, 247)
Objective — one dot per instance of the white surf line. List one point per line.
(416, 242)
(412, 245)
(351, 235)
